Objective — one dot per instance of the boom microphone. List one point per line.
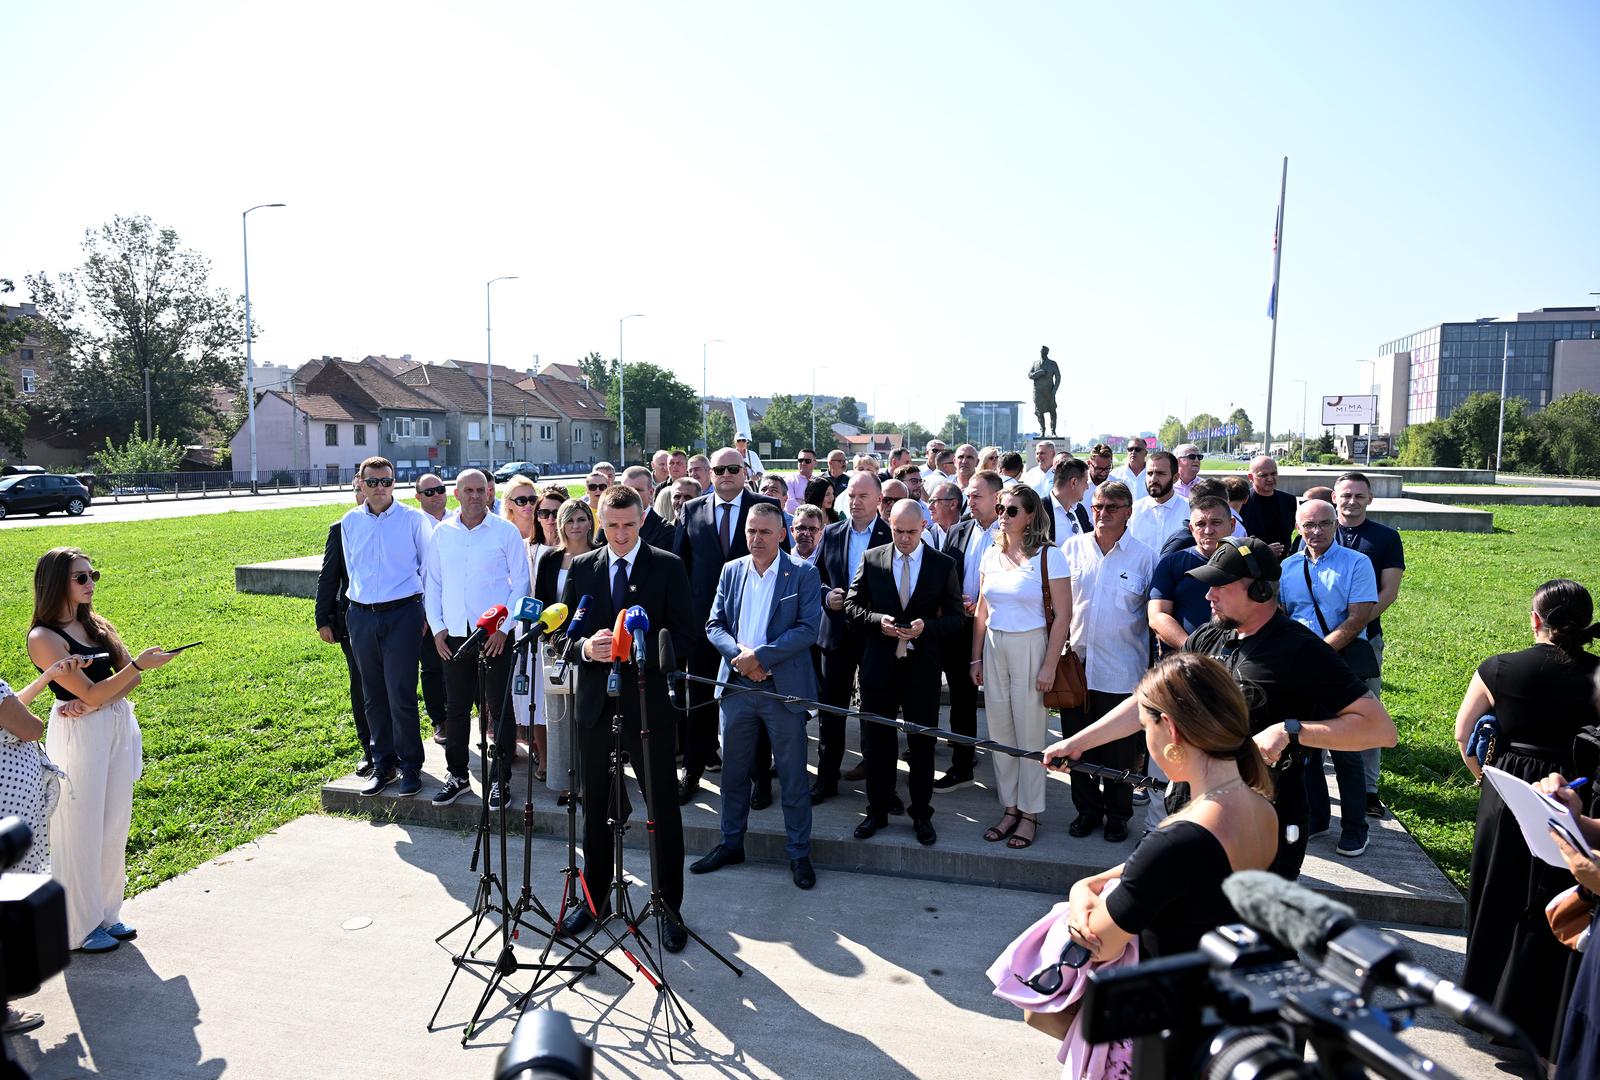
(489, 623)
(667, 657)
(579, 623)
(638, 625)
(1328, 931)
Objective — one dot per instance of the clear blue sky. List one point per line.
(909, 198)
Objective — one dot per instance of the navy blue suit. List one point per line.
(841, 644)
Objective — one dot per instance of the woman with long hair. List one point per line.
(1541, 697)
(519, 506)
(96, 743)
(574, 535)
(821, 492)
(1169, 892)
(1013, 657)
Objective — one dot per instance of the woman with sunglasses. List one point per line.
(1170, 890)
(1014, 658)
(821, 492)
(93, 737)
(573, 535)
(518, 505)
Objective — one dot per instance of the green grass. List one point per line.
(241, 733)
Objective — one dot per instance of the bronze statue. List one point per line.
(1046, 376)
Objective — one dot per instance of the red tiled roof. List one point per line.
(573, 399)
(569, 372)
(383, 390)
(327, 407)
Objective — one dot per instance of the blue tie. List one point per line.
(619, 587)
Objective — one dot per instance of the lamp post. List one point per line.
(622, 424)
(249, 356)
(1505, 366)
(1302, 383)
(488, 355)
(814, 371)
(705, 414)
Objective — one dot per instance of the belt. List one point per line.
(1548, 752)
(387, 605)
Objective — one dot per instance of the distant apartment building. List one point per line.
(992, 423)
(29, 364)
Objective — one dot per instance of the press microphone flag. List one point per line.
(638, 625)
(528, 610)
(489, 622)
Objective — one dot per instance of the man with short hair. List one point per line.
(333, 604)
(433, 499)
(764, 622)
(478, 560)
(1178, 605)
(1189, 459)
(806, 526)
(677, 466)
(1042, 477)
(1011, 468)
(1352, 494)
(1099, 472)
(658, 468)
(893, 492)
(944, 464)
(1207, 487)
(655, 530)
(1332, 591)
(1298, 690)
(911, 477)
(806, 471)
(685, 490)
(837, 476)
(967, 543)
(1110, 580)
(752, 461)
(1162, 510)
(386, 546)
(966, 464)
(1132, 472)
(700, 471)
(930, 463)
(594, 485)
(1063, 507)
(944, 507)
(1268, 513)
(899, 458)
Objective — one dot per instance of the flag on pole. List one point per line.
(1272, 298)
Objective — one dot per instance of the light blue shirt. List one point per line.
(386, 554)
(858, 547)
(1341, 577)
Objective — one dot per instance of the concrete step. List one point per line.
(1544, 495)
(1412, 514)
(281, 577)
(1394, 880)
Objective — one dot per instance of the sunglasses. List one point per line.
(1194, 457)
(1048, 979)
(808, 461)
(378, 481)
(1137, 450)
(1107, 508)
(1011, 511)
(544, 513)
(431, 492)
(727, 470)
(84, 577)
(597, 487)
(525, 500)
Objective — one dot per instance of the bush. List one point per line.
(1564, 438)
(1385, 463)
(1430, 445)
(140, 455)
(1330, 459)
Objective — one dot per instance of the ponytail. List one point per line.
(1566, 610)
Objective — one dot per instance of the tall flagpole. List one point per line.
(1277, 261)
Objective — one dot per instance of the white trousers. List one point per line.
(102, 754)
(1014, 707)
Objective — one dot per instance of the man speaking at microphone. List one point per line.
(478, 561)
(625, 573)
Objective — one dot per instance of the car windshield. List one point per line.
(8, 482)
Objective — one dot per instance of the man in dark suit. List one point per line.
(655, 530)
(624, 573)
(966, 543)
(1063, 507)
(1268, 514)
(905, 598)
(844, 543)
(711, 534)
(332, 602)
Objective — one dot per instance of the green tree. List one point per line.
(1429, 445)
(1563, 438)
(1172, 432)
(1247, 431)
(1203, 422)
(787, 424)
(720, 426)
(139, 304)
(954, 429)
(13, 414)
(649, 386)
(849, 410)
(139, 455)
(1475, 424)
(601, 372)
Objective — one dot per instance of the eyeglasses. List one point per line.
(597, 487)
(431, 492)
(1194, 457)
(378, 481)
(1048, 979)
(807, 461)
(944, 498)
(84, 577)
(1011, 511)
(1137, 450)
(807, 528)
(727, 470)
(544, 513)
(1107, 508)
(525, 500)
(1315, 525)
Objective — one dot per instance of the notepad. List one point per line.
(1535, 812)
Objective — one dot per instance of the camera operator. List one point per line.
(1299, 691)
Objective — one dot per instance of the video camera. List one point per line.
(1245, 1004)
(33, 924)
(544, 1047)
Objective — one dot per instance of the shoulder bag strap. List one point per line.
(1305, 564)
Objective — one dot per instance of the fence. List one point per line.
(122, 487)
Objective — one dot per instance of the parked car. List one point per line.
(516, 468)
(13, 470)
(42, 493)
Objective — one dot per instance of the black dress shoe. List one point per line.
(871, 824)
(716, 859)
(1083, 825)
(364, 768)
(804, 876)
(925, 833)
(760, 794)
(954, 779)
(896, 806)
(577, 921)
(686, 789)
(1116, 831)
(673, 936)
(821, 792)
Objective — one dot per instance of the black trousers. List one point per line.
(912, 694)
(955, 656)
(435, 698)
(704, 721)
(594, 753)
(1103, 800)
(358, 698)
(461, 683)
(839, 668)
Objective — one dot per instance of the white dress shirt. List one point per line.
(386, 554)
(755, 604)
(472, 570)
(856, 545)
(1042, 481)
(1134, 480)
(717, 503)
(895, 561)
(1066, 522)
(979, 541)
(1153, 522)
(1109, 593)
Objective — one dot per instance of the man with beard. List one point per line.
(1162, 510)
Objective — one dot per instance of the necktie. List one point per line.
(619, 587)
(725, 530)
(905, 599)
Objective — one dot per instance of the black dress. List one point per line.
(1541, 698)
(1171, 890)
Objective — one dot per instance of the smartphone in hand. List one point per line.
(180, 648)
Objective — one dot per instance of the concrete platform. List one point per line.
(1393, 880)
(1296, 480)
(281, 577)
(1500, 495)
(1412, 514)
(1414, 474)
(310, 953)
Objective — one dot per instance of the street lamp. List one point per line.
(1302, 383)
(622, 425)
(705, 415)
(488, 355)
(814, 371)
(249, 356)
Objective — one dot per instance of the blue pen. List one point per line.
(1574, 785)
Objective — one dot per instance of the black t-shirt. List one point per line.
(839, 482)
(1542, 696)
(1286, 673)
(1269, 518)
(1171, 889)
(1382, 545)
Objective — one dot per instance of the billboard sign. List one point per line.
(1350, 409)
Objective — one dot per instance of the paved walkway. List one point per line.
(310, 953)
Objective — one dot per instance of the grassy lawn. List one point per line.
(241, 733)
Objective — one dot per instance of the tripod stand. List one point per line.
(622, 920)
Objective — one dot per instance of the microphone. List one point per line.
(667, 657)
(579, 621)
(489, 622)
(621, 645)
(1328, 931)
(638, 625)
(527, 610)
(551, 619)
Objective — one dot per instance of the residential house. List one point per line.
(411, 424)
(309, 433)
(585, 433)
(524, 426)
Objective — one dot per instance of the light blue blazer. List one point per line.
(792, 625)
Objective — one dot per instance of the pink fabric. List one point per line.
(1038, 945)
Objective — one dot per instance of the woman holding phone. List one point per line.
(94, 738)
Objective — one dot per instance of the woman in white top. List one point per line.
(1012, 658)
(573, 529)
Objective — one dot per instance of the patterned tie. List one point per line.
(619, 587)
(725, 532)
(905, 600)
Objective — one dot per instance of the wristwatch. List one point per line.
(1292, 729)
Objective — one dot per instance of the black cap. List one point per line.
(1236, 559)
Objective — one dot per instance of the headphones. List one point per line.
(1260, 590)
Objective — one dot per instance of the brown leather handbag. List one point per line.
(1071, 688)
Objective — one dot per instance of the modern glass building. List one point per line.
(1426, 375)
(991, 423)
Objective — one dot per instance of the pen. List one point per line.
(1574, 785)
